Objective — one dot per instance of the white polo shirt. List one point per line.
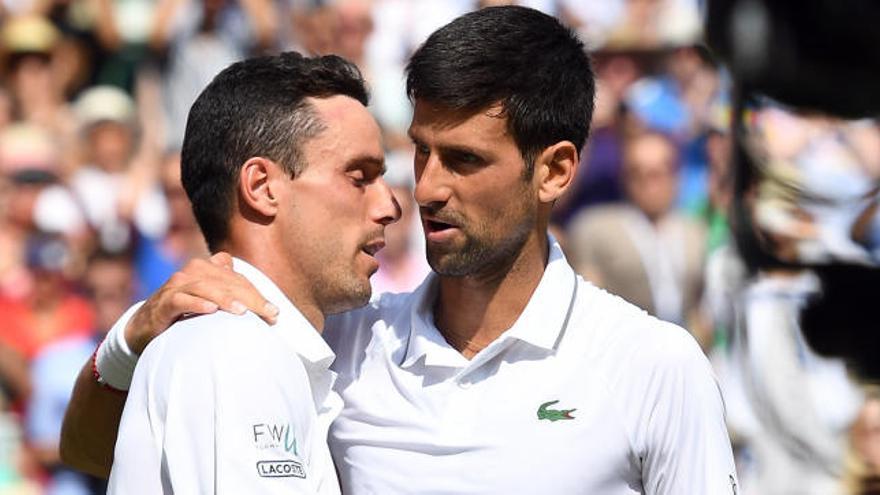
(584, 394)
(226, 404)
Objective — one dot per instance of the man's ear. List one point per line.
(256, 185)
(555, 169)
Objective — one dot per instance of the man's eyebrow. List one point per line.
(461, 149)
(451, 148)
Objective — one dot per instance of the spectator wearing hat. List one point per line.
(28, 45)
(115, 193)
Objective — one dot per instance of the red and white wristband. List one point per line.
(113, 362)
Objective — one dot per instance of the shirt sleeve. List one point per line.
(686, 447)
(185, 412)
(166, 436)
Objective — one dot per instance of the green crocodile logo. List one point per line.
(554, 414)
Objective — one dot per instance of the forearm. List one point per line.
(91, 422)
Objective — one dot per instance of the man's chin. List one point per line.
(450, 265)
(355, 299)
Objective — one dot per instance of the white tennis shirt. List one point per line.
(226, 404)
(584, 394)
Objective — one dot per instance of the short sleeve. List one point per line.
(686, 444)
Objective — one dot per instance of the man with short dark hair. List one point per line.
(226, 403)
(504, 372)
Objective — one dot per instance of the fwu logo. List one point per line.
(280, 469)
(273, 435)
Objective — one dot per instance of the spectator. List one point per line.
(679, 101)
(643, 250)
(29, 43)
(109, 281)
(801, 403)
(51, 310)
(157, 257)
(202, 37)
(108, 185)
(34, 201)
(863, 469)
(599, 179)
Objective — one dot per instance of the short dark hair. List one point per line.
(255, 107)
(528, 61)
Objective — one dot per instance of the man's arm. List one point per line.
(91, 422)
(90, 425)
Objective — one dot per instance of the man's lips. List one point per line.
(439, 230)
(373, 247)
(437, 224)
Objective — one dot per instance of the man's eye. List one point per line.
(465, 158)
(422, 149)
(468, 158)
(358, 177)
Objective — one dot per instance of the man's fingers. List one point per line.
(234, 295)
(252, 300)
(187, 304)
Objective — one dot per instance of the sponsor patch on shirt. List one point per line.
(272, 435)
(280, 469)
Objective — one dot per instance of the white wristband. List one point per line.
(114, 360)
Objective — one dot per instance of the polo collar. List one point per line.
(292, 326)
(539, 325)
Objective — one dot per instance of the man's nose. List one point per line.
(432, 183)
(385, 209)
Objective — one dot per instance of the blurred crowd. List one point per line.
(93, 101)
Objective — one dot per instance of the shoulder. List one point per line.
(228, 357)
(206, 339)
(631, 341)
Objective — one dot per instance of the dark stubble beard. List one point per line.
(482, 256)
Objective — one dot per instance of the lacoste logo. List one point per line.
(280, 469)
(554, 414)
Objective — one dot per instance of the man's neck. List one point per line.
(471, 312)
